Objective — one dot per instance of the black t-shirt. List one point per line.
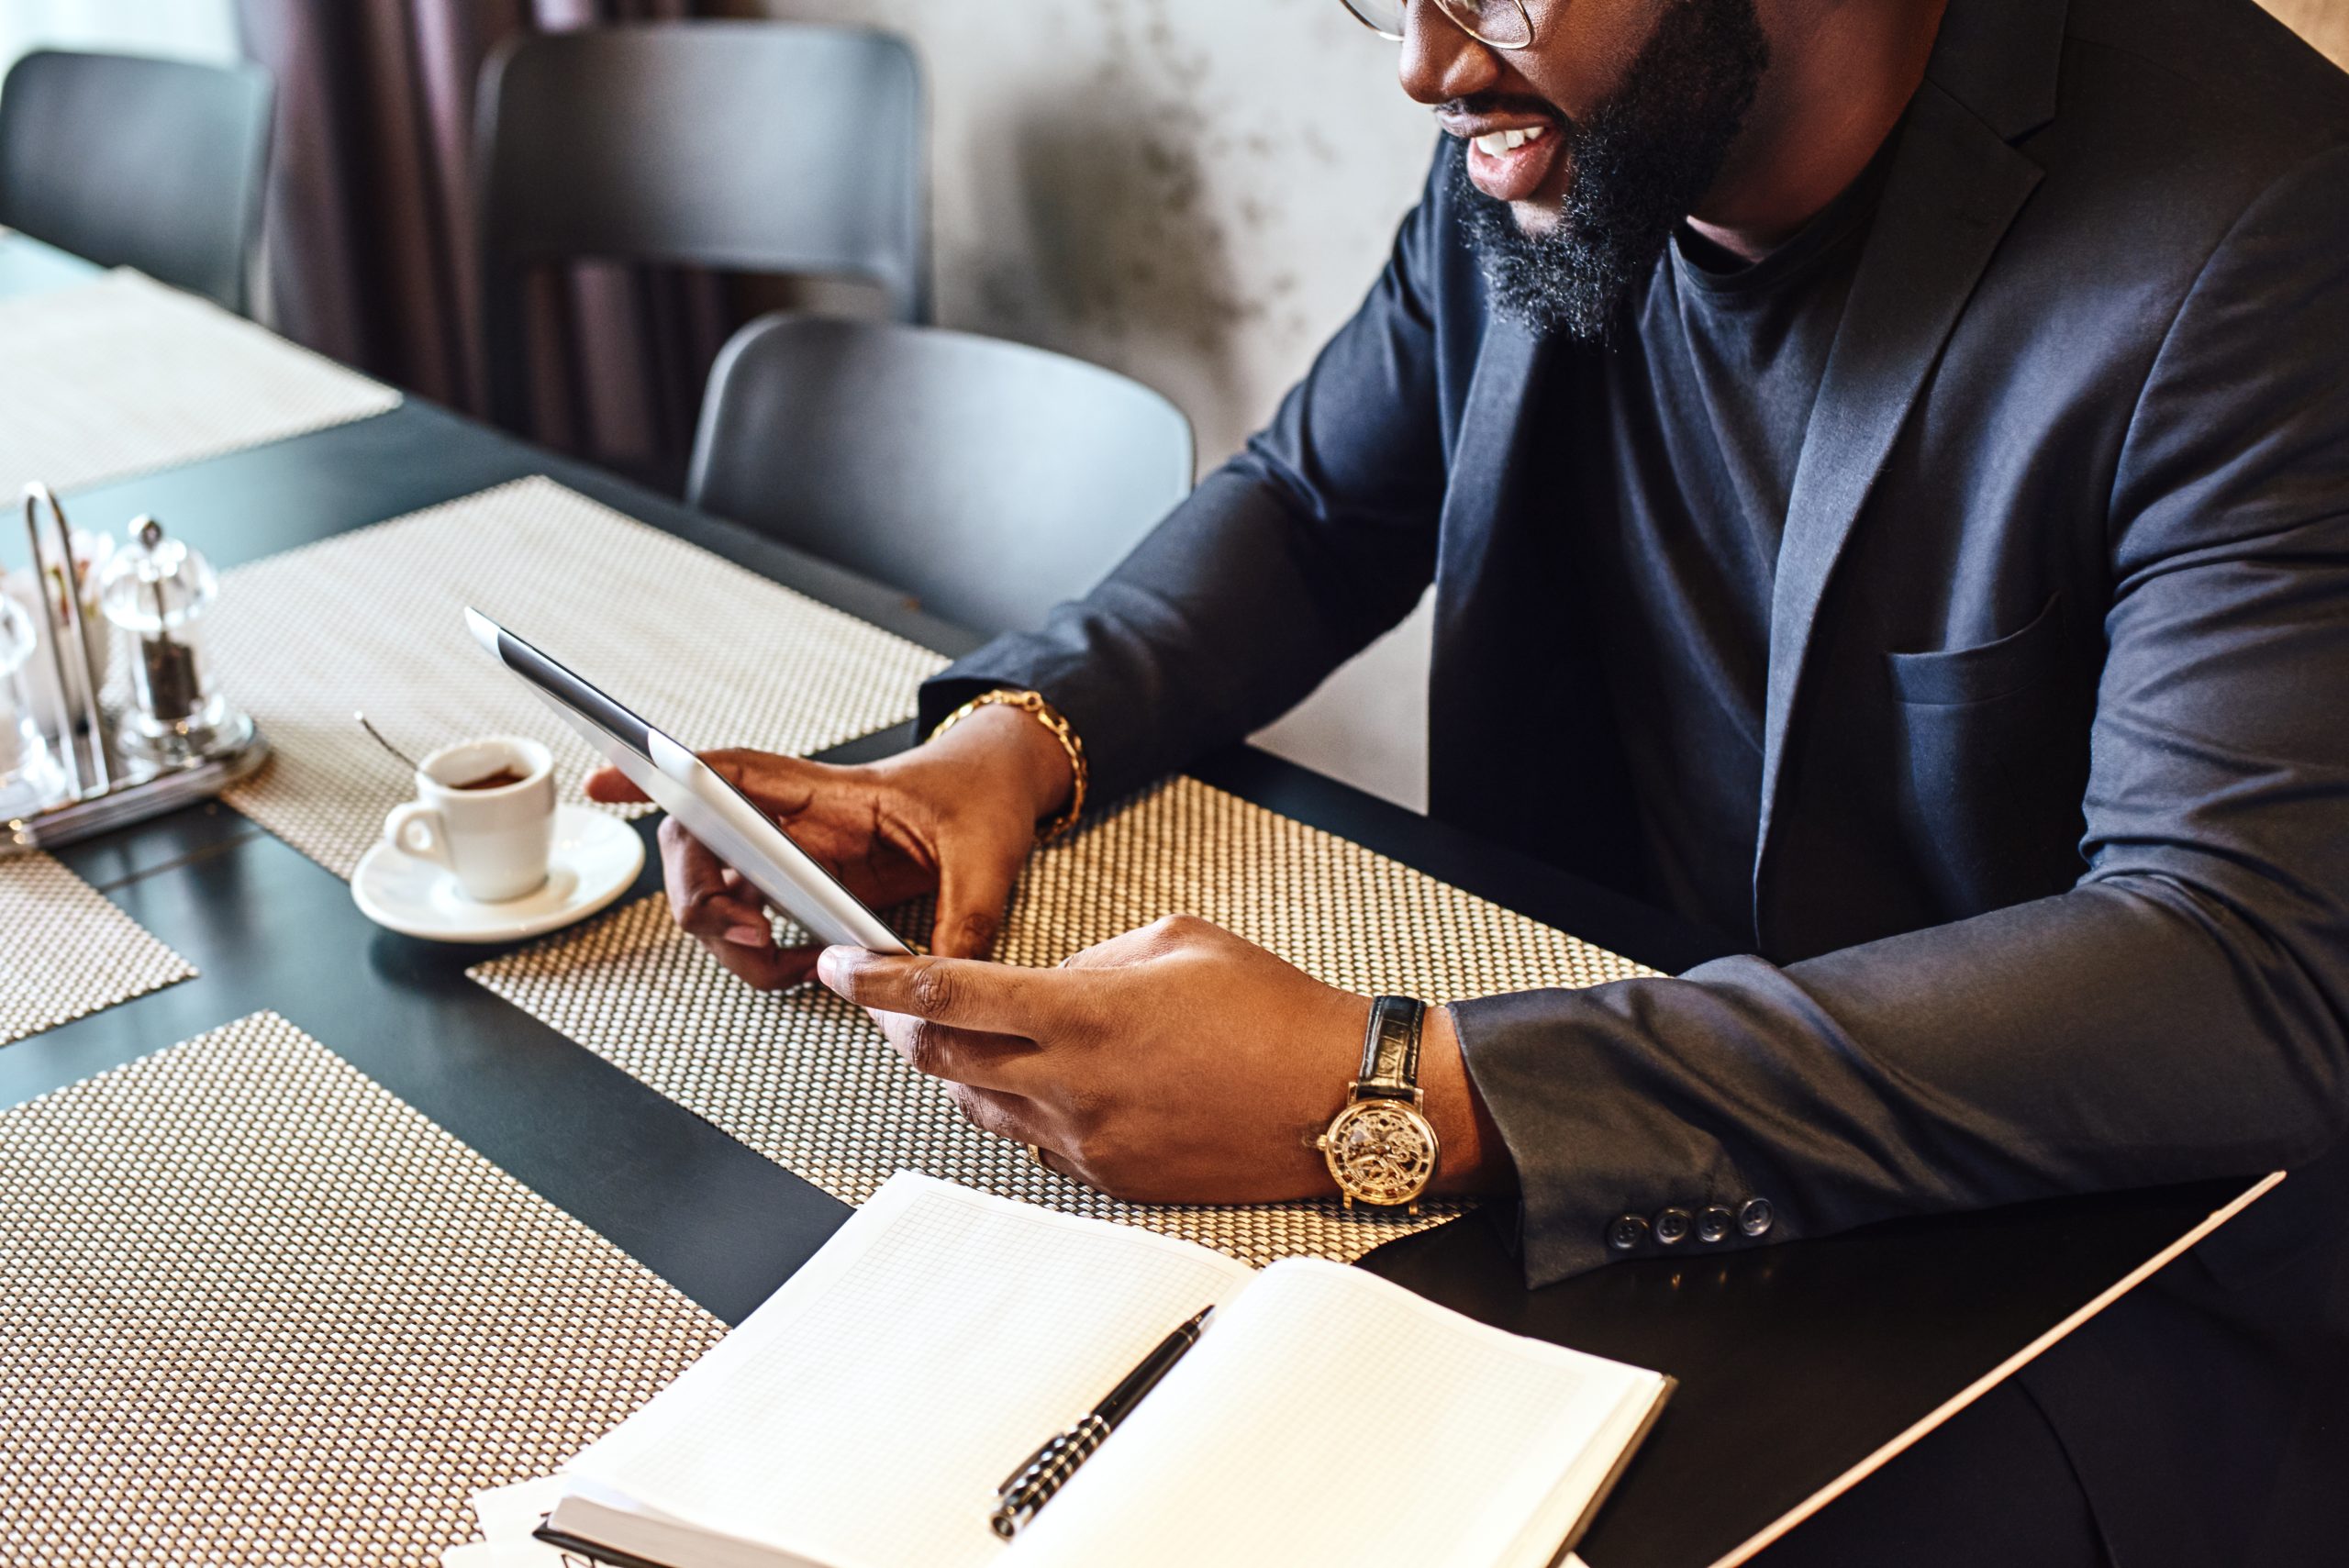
(1692, 433)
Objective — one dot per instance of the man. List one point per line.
(1885, 479)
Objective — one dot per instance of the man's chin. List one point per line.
(1638, 164)
(1538, 219)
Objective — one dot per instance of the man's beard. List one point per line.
(1640, 163)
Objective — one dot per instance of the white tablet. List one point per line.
(694, 794)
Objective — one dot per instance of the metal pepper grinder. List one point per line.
(160, 590)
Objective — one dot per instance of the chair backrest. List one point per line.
(157, 164)
(776, 146)
(988, 479)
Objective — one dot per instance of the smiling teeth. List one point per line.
(1493, 144)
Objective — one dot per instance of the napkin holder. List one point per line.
(107, 782)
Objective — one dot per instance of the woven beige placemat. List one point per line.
(373, 619)
(121, 376)
(806, 1079)
(65, 951)
(255, 1309)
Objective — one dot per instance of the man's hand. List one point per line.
(957, 815)
(1177, 1063)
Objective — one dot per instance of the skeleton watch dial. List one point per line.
(1380, 1151)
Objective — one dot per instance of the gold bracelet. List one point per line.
(1048, 716)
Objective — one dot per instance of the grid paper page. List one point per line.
(713, 653)
(122, 376)
(68, 950)
(1328, 1415)
(863, 1416)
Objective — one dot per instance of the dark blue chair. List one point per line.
(987, 479)
(157, 164)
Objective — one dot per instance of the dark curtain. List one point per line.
(369, 246)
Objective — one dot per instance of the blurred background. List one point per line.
(1194, 192)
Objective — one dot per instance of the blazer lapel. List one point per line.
(1478, 622)
(1954, 187)
(1488, 459)
(1499, 663)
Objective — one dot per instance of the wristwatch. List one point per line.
(1381, 1149)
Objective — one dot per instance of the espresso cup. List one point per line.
(494, 840)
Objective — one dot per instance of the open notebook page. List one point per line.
(1327, 1417)
(864, 1414)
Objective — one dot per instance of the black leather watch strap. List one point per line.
(1390, 1050)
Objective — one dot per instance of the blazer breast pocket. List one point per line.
(1985, 672)
(1994, 762)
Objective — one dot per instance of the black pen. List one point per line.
(1046, 1471)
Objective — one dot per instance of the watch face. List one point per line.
(1380, 1152)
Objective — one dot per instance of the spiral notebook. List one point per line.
(863, 1416)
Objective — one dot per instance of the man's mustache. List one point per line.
(1482, 103)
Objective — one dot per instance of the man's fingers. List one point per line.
(993, 998)
(768, 968)
(701, 899)
(1006, 1116)
(991, 1062)
(692, 874)
(613, 787)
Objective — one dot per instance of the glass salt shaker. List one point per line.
(159, 590)
(29, 778)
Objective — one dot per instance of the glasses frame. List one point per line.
(1523, 16)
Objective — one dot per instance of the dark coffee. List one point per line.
(498, 780)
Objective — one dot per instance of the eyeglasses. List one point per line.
(1496, 24)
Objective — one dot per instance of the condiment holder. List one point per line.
(96, 765)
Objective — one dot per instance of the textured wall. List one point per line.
(1195, 192)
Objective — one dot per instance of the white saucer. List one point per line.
(595, 858)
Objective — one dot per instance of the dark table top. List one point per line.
(1797, 1364)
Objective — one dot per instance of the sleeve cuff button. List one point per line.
(1714, 1224)
(1756, 1217)
(1625, 1232)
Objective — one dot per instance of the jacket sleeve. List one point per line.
(1280, 566)
(2179, 1013)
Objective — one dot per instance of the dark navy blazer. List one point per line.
(2053, 882)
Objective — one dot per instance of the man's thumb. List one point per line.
(972, 888)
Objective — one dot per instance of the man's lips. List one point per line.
(1509, 161)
